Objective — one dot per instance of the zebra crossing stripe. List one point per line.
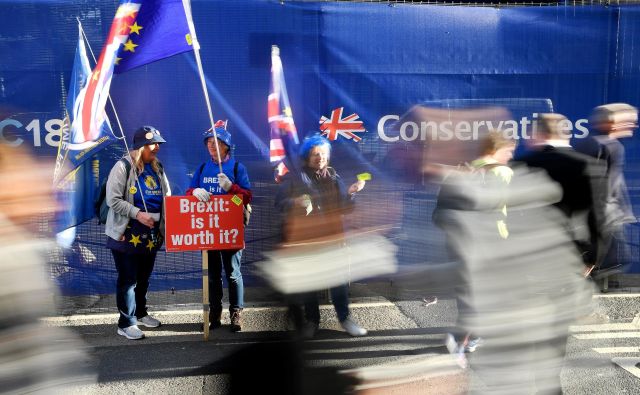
(609, 335)
(630, 364)
(615, 350)
(605, 327)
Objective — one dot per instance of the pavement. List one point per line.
(603, 355)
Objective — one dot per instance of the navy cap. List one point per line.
(146, 135)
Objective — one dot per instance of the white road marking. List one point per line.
(625, 295)
(615, 350)
(630, 364)
(604, 327)
(608, 335)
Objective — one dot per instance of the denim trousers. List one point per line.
(229, 260)
(339, 297)
(134, 271)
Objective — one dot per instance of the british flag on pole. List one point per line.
(88, 118)
(346, 127)
(284, 136)
(142, 32)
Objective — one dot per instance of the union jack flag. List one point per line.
(221, 124)
(89, 116)
(284, 136)
(346, 127)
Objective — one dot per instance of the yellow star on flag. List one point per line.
(117, 62)
(130, 46)
(135, 28)
(135, 240)
(150, 245)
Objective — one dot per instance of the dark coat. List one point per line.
(583, 182)
(329, 206)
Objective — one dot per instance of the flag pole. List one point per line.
(115, 113)
(203, 82)
(205, 254)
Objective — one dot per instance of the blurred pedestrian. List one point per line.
(313, 204)
(209, 180)
(489, 170)
(136, 188)
(610, 123)
(522, 274)
(580, 176)
(34, 357)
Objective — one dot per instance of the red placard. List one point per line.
(192, 225)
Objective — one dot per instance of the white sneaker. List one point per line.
(473, 344)
(149, 321)
(456, 350)
(352, 328)
(131, 332)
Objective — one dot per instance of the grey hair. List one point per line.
(605, 113)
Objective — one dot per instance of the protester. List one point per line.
(313, 203)
(136, 188)
(609, 123)
(209, 180)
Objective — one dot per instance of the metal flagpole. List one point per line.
(205, 254)
(203, 82)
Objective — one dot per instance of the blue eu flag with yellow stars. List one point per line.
(161, 28)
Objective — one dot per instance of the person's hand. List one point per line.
(201, 194)
(145, 219)
(224, 181)
(587, 270)
(356, 187)
(304, 201)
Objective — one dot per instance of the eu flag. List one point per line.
(162, 28)
(76, 177)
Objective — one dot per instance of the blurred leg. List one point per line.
(340, 299)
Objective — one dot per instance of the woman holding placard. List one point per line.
(209, 180)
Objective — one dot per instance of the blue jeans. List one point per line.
(134, 271)
(340, 299)
(230, 260)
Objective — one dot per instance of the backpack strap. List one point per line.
(127, 167)
(201, 169)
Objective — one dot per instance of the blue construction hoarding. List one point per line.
(371, 59)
